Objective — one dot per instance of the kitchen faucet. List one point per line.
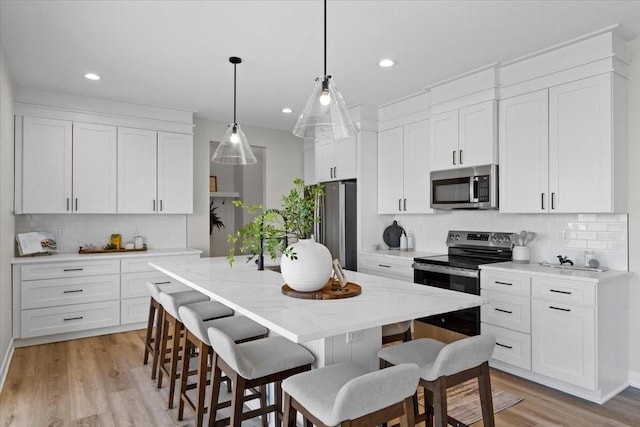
(564, 260)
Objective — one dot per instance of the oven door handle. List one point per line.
(445, 269)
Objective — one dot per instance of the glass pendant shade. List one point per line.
(325, 114)
(234, 148)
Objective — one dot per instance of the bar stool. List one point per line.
(238, 328)
(346, 394)
(399, 331)
(172, 325)
(445, 365)
(156, 311)
(253, 364)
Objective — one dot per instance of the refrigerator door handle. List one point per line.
(341, 227)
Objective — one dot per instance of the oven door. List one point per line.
(466, 321)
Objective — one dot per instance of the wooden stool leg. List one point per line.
(428, 408)
(157, 338)
(173, 372)
(186, 358)
(237, 401)
(163, 348)
(440, 403)
(263, 405)
(290, 413)
(408, 419)
(201, 385)
(486, 400)
(216, 376)
(149, 337)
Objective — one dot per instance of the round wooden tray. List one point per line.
(331, 290)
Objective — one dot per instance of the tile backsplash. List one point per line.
(557, 234)
(73, 231)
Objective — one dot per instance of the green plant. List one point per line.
(271, 228)
(214, 219)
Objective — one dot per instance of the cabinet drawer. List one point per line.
(70, 318)
(507, 311)
(140, 264)
(134, 285)
(55, 270)
(387, 267)
(56, 292)
(511, 347)
(134, 310)
(514, 284)
(564, 291)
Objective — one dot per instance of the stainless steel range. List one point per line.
(459, 271)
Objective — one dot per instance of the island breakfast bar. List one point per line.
(334, 331)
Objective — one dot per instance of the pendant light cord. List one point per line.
(234, 93)
(325, 38)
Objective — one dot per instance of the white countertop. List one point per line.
(258, 295)
(80, 257)
(535, 269)
(399, 254)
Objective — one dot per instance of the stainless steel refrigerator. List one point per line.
(338, 219)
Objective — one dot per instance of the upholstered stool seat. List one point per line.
(445, 365)
(152, 341)
(238, 328)
(345, 392)
(253, 364)
(399, 331)
(172, 326)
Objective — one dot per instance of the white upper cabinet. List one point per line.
(175, 173)
(557, 149)
(155, 172)
(335, 159)
(44, 157)
(94, 168)
(65, 167)
(464, 137)
(403, 178)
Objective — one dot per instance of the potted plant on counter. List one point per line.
(305, 264)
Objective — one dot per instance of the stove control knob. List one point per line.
(499, 239)
(451, 237)
(457, 237)
(493, 239)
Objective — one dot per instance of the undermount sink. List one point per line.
(574, 267)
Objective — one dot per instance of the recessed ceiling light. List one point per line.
(92, 76)
(287, 110)
(386, 63)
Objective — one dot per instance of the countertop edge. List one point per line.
(535, 269)
(63, 257)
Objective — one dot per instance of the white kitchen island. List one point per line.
(334, 330)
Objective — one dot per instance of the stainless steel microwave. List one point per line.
(465, 188)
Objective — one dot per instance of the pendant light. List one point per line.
(234, 148)
(325, 114)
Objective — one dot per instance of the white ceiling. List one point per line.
(175, 53)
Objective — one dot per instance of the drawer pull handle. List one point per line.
(385, 266)
(503, 283)
(503, 311)
(559, 308)
(560, 292)
(74, 318)
(73, 269)
(72, 292)
(162, 283)
(505, 346)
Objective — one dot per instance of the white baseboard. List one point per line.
(634, 379)
(4, 368)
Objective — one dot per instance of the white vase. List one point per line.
(312, 268)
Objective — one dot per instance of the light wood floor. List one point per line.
(101, 381)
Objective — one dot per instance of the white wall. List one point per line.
(6, 211)
(283, 163)
(633, 50)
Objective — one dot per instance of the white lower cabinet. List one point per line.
(564, 330)
(59, 297)
(393, 267)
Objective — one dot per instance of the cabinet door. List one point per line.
(477, 143)
(417, 194)
(345, 158)
(137, 173)
(324, 160)
(524, 153)
(443, 140)
(46, 165)
(563, 342)
(94, 168)
(580, 146)
(390, 175)
(175, 173)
